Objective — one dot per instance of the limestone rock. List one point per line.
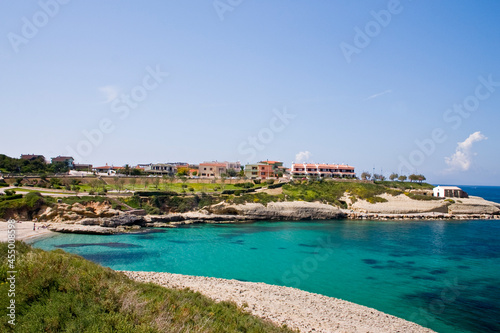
(295, 210)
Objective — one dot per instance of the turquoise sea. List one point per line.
(442, 275)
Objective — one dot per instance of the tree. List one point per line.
(136, 172)
(59, 167)
(223, 181)
(393, 176)
(118, 183)
(413, 177)
(133, 181)
(402, 178)
(171, 179)
(421, 178)
(231, 172)
(156, 182)
(365, 175)
(126, 170)
(182, 171)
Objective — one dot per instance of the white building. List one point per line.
(449, 192)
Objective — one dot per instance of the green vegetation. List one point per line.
(83, 199)
(30, 204)
(35, 166)
(171, 203)
(406, 185)
(331, 191)
(260, 197)
(415, 196)
(61, 292)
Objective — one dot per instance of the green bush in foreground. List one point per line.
(61, 292)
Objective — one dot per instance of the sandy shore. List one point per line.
(297, 309)
(24, 231)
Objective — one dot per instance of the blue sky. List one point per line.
(374, 84)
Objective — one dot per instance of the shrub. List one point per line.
(373, 200)
(9, 192)
(244, 185)
(256, 181)
(34, 200)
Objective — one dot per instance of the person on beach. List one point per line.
(34, 224)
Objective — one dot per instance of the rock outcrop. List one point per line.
(294, 210)
(474, 205)
(402, 204)
(64, 212)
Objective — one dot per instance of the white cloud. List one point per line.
(302, 157)
(462, 158)
(379, 94)
(109, 92)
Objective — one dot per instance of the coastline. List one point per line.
(25, 232)
(296, 308)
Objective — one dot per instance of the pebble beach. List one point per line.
(298, 309)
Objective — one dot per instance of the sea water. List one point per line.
(441, 274)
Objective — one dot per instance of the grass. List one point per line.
(18, 189)
(61, 292)
(331, 191)
(165, 185)
(405, 185)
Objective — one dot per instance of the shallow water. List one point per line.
(443, 275)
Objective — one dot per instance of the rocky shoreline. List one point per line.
(298, 309)
(113, 222)
(101, 218)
